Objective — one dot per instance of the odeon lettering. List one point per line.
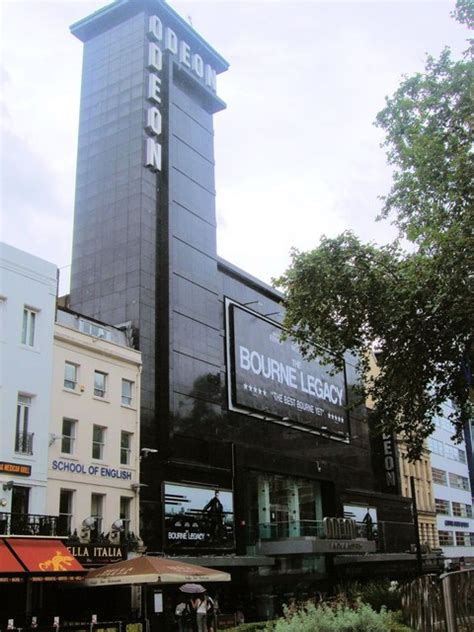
(91, 470)
(389, 460)
(163, 38)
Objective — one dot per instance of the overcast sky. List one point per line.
(296, 150)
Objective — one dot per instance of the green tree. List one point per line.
(415, 304)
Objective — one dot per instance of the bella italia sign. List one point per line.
(96, 554)
(75, 467)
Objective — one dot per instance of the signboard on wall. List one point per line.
(385, 461)
(269, 376)
(198, 517)
(97, 554)
(19, 469)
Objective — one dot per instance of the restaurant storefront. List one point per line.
(33, 573)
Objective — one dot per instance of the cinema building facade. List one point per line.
(228, 405)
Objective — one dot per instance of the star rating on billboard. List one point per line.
(337, 418)
(255, 390)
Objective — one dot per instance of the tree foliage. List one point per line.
(415, 304)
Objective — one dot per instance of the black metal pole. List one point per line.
(419, 559)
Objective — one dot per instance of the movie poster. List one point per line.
(270, 377)
(198, 517)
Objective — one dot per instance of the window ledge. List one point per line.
(27, 457)
(71, 391)
(28, 348)
(101, 399)
(128, 406)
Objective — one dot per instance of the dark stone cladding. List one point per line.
(145, 251)
(144, 246)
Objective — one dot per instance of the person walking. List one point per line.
(183, 617)
(200, 605)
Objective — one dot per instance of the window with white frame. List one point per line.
(93, 329)
(100, 383)
(456, 454)
(458, 482)
(445, 424)
(127, 392)
(28, 328)
(439, 476)
(97, 511)
(70, 375)
(125, 512)
(442, 506)
(3, 303)
(65, 510)
(23, 436)
(462, 510)
(435, 446)
(463, 538)
(125, 447)
(68, 436)
(98, 442)
(446, 538)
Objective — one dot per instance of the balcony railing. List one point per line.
(389, 536)
(33, 524)
(24, 442)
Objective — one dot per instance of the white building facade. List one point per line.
(27, 307)
(93, 479)
(452, 492)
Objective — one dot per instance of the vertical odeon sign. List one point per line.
(153, 113)
(165, 39)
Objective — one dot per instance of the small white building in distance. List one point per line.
(93, 478)
(452, 492)
(27, 304)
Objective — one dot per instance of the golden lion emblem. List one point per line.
(58, 562)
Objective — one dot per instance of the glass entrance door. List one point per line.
(279, 507)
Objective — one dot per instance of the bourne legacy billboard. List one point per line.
(269, 376)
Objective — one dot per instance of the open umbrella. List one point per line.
(192, 589)
(149, 569)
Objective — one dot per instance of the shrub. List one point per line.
(375, 593)
(339, 617)
(259, 626)
(392, 624)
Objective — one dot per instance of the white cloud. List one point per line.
(297, 154)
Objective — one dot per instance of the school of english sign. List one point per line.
(104, 471)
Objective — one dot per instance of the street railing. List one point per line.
(32, 524)
(393, 537)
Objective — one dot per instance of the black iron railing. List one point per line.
(33, 524)
(24, 442)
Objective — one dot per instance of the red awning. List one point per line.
(10, 568)
(46, 560)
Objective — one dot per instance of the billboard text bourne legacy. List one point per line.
(270, 376)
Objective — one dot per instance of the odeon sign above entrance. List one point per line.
(165, 39)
